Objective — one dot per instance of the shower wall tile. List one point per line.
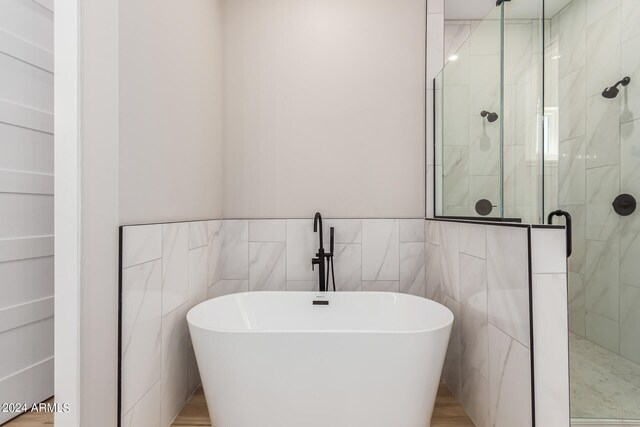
(141, 330)
(475, 395)
(456, 176)
(630, 159)
(603, 131)
(508, 281)
(432, 232)
(233, 261)
(474, 324)
(602, 279)
(518, 53)
(193, 375)
(380, 249)
(630, 19)
(302, 285)
(455, 123)
(268, 230)
(510, 382)
(345, 231)
(597, 9)
(572, 37)
(435, 46)
(631, 68)
(197, 276)
(450, 259)
(412, 267)
(484, 187)
(572, 94)
(412, 230)
(146, 412)
(603, 47)
(381, 286)
(348, 267)
(267, 266)
(485, 38)
(630, 250)
(604, 332)
(175, 266)
(630, 322)
(302, 245)
(452, 369)
(213, 251)
(603, 184)
(456, 33)
(457, 72)
(227, 287)
(175, 345)
(198, 234)
(577, 304)
(577, 261)
(484, 81)
(433, 279)
(484, 147)
(473, 240)
(142, 244)
(571, 172)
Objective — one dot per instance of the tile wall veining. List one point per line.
(599, 158)
(169, 268)
(471, 152)
(481, 273)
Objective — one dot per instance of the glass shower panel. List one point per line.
(591, 47)
(523, 99)
(469, 130)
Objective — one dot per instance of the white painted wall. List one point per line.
(170, 110)
(324, 104)
(26, 203)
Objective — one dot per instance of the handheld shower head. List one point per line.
(491, 117)
(613, 91)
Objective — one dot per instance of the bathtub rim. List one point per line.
(437, 327)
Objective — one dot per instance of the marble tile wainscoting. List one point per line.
(168, 268)
(495, 278)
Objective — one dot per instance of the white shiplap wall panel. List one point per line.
(31, 150)
(24, 84)
(25, 215)
(22, 50)
(26, 201)
(34, 274)
(28, 20)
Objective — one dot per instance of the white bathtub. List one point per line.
(273, 359)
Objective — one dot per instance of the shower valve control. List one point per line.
(624, 204)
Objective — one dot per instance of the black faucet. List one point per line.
(321, 256)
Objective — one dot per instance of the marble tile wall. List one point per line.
(169, 268)
(481, 272)
(599, 142)
(471, 156)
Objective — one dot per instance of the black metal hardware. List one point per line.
(613, 91)
(499, 2)
(323, 258)
(484, 207)
(624, 204)
(320, 302)
(491, 117)
(569, 224)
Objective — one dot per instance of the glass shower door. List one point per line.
(593, 48)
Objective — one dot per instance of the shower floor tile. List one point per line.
(604, 385)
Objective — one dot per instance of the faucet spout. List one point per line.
(317, 221)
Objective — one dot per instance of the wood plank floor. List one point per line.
(447, 411)
(32, 419)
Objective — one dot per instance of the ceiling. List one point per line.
(514, 9)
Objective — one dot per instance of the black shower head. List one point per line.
(613, 91)
(492, 117)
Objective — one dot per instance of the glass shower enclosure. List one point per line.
(538, 109)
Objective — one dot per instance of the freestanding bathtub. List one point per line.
(303, 359)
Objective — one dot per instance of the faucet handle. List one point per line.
(314, 262)
(331, 233)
